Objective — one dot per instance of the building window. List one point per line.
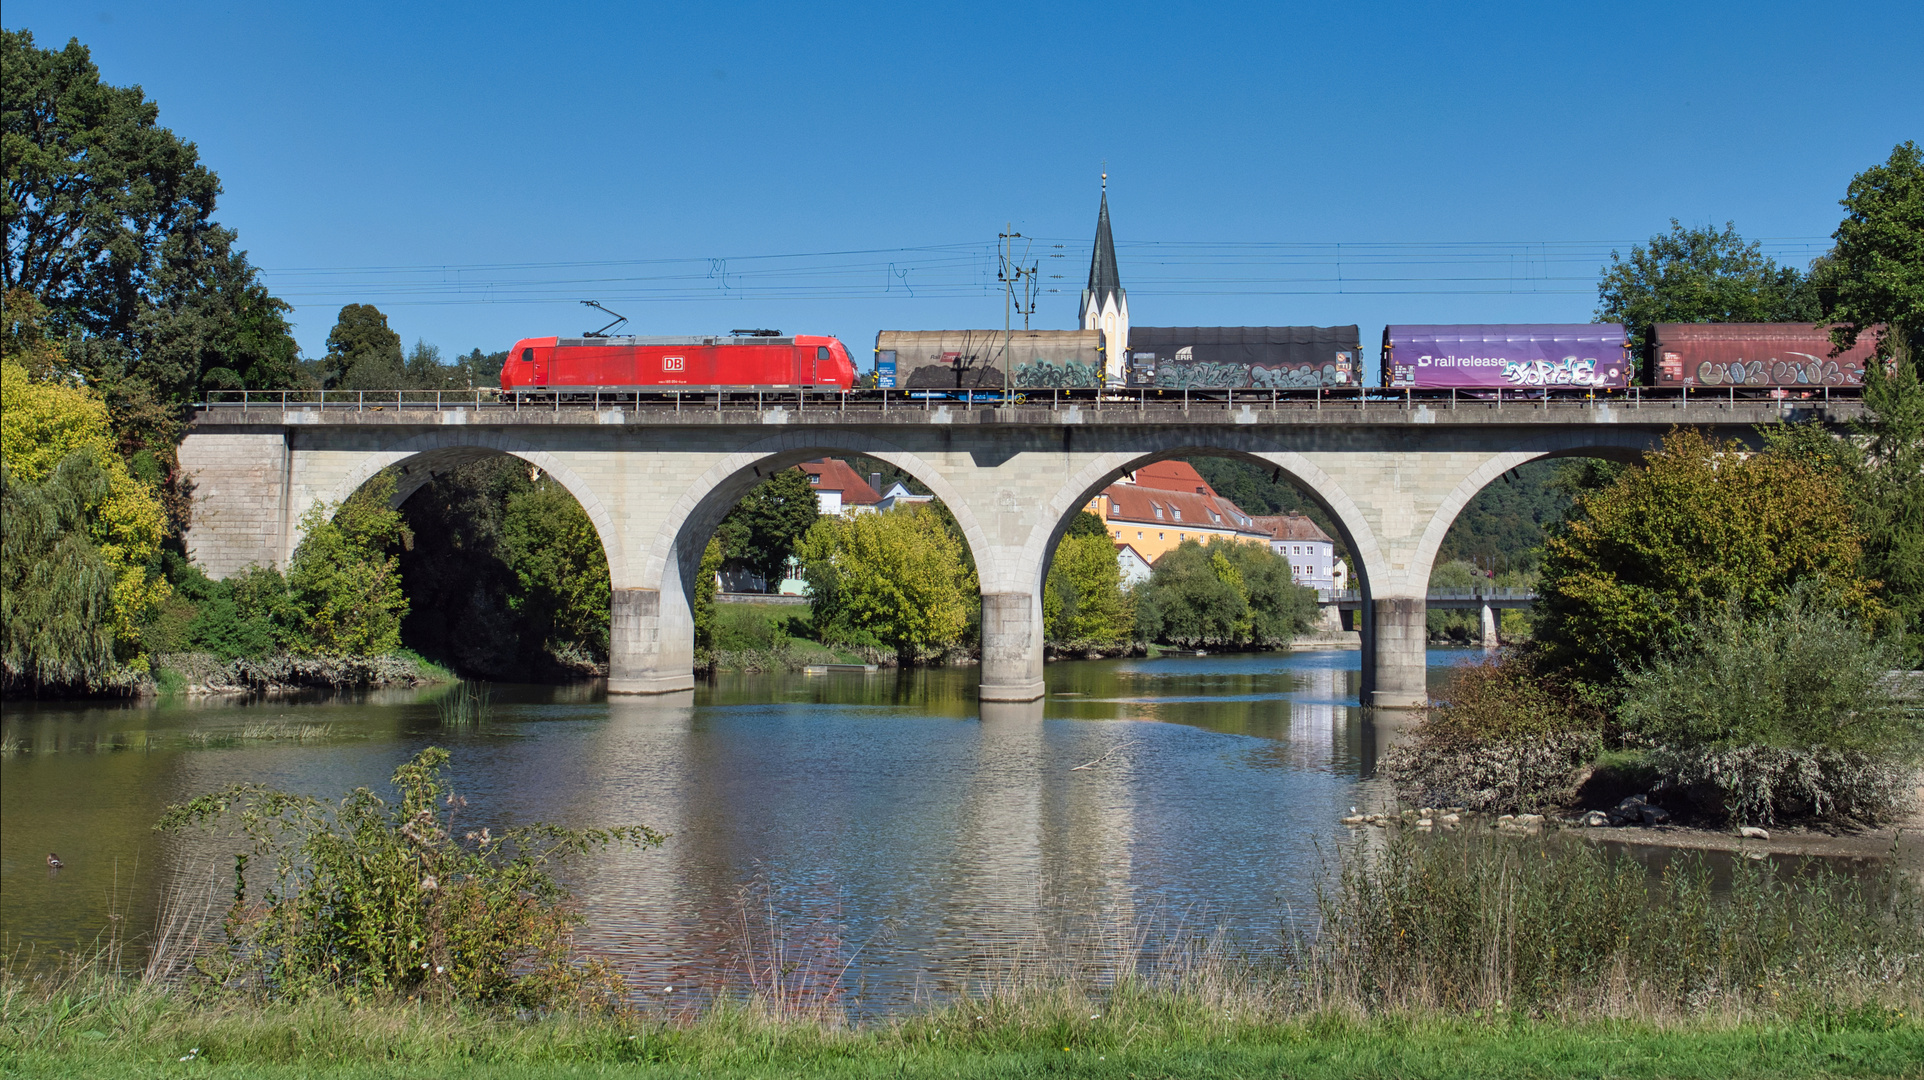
(1118, 534)
(1159, 536)
(1158, 507)
(1138, 534)
(1176, 510)
(814, 479)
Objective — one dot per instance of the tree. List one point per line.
(703, 602)
(1700, 275)
(56, 592)
(761, 532)
(109, 222)
(1875, 276)
(1702, 524)
(362, 352)
(1082, 600)
(555, 552)
(1460, 624)
(896, 580)
(42, 424)
(1225, 593)
(1086, 524)
(342, 579)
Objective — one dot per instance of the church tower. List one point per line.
(1105, 304)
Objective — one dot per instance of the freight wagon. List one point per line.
(1766, 355)
(992, 359)
(1262, 357)
(599, 365)
(1158, 357)
(1505, 356)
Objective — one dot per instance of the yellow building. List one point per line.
(1161, 505)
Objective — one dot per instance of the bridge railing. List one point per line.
(1055, 399)
(1492, 594)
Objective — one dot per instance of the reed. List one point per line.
(465, 705)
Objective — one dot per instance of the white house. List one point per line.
(1310, 551)
(839, 489)
(898, 494)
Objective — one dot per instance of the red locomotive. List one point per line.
(744, 360)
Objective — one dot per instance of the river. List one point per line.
(883, 832)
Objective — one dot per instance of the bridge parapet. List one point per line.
(1039, 409)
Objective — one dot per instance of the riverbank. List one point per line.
(91, 1028)
(200, 674)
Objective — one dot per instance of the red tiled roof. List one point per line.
(1136, 503)
(1173, 476)
(1291, 527)
(837, 475)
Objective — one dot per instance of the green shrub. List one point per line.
(1225, 593)
(367, 897)
(1504, 737)
(1786, 712)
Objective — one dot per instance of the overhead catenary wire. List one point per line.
(1198, 268)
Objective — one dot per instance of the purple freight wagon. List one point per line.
(1520, 356)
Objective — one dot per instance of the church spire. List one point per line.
(1104, 280)
(1105, 303)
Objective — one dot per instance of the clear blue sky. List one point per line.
(474, 169)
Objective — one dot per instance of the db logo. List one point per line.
(671, 363)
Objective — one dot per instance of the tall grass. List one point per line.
(1478, 920)
(1464, 937)
(466, 705)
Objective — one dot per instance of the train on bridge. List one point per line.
(1418, 362)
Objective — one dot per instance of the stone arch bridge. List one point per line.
(657, 479)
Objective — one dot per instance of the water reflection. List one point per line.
(884, 824)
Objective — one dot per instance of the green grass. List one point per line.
(429, 670)
(770, 637)
(740, 627)
(145, 1033)
(169, 681)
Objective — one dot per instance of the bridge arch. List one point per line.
(1020, 586)
(1102, 471)
(1625, 447)
(420, 455)
(654, 610)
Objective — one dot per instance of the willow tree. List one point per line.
(56, 592)
(43, 423)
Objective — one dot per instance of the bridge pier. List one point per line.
(1396, 653)
(644, 656)
(1491, 638)
(1011, 647)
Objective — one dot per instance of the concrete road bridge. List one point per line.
(657, 477)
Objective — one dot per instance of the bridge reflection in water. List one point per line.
(887, 834)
